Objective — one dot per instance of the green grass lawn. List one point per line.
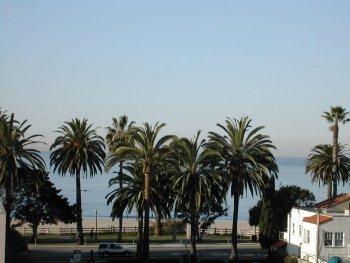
(127, 238)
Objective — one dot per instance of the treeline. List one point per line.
(191, 176)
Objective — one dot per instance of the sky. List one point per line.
(189, 64)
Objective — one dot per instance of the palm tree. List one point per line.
(17, 157)
(194, 182)
(128, 197)
(144, 148)
(247, 159)
(131, 196)
(77, 149)
(320, 165)
(336, 115)
(165, 197)
(3, 115)
(116, 133)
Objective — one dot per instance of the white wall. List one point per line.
(338, 224)
(294, 239)
(308, 250)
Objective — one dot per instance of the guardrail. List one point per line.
(66, 231)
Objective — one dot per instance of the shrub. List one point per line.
(290, 259)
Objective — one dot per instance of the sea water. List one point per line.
(95, 189)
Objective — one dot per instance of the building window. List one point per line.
(300, 230)
(328, 239)
(306, 238)
(339, 239)
(293, 228)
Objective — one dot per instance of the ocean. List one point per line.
(94, 190)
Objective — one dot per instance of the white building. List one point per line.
(320, 232)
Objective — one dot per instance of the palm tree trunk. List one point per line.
(193, 248)
(329, 187)
(8, 207)
(158, 229)
(120, 232)
(335, 155)
(140, 233)
(146, 225)
(234, 254)
(80, 235)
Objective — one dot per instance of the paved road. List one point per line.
(63, 253)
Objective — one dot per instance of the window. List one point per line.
(300, 230)
(293, 228)
(339, 239)
(328, 238)
(306, 238)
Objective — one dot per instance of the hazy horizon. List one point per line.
(187, 64)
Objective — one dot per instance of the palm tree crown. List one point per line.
(320, 165)
(77, 148)
(246, 155)
(144, 146)
(16, 153)
(131, 195)
(194, 176)
(117, 131)
(336, 114)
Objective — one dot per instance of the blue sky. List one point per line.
(187, 63)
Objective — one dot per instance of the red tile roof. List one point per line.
(313, 219)
(341, 198)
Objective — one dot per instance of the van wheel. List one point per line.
(127, 254)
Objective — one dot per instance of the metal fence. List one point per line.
(67, 231)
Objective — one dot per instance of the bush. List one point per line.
(179, 225)
(290, 259)
(15, 245)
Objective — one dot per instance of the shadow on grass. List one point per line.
(54, 239)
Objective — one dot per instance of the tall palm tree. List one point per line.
(146, 148)
(320, 165)
(17, 157)
(77, 149)
(165, 197)
(336, 115)
(131, 196)
(116, 133)
(194, 182)
(247, 159)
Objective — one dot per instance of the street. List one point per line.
(213, 252)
